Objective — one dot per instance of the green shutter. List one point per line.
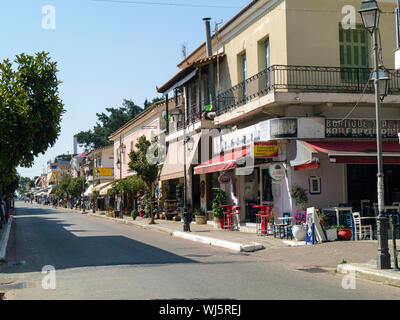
(354, 53)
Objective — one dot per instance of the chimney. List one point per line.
(211, 84)
(75, 145)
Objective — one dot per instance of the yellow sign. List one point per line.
(265, 149)
(101, 172)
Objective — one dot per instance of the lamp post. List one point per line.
(178, 115)
(121, 149)
(370, 13)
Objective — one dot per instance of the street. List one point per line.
(96, 259)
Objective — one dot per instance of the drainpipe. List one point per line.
(211, 84)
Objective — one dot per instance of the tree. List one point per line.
(145, 169)
(148, 103)
(107, 124)
(76, 186)
(24, 184)
(30, 111)
(61, 191)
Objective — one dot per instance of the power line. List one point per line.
(198, 5)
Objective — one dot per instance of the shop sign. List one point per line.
(224, 179)
(265, 149)
(359, 128)
(103, 171)
(283, 128)
(277, 172)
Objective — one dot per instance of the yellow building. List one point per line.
(295, 73)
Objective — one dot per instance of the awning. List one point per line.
(358, 152)
(88, 192)
(173, 164)
(103, 192)
(306, 157)
(101, 186)
(222, 162)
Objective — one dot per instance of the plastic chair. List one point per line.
(361, 230)
(350, 224)
(282, 227)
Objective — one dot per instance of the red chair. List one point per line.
(227, 224)
(263, 218)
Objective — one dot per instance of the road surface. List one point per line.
(99, 259)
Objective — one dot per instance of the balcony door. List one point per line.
(354, 55)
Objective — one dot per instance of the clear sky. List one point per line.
(106, 50)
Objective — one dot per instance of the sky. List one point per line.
(106, 51)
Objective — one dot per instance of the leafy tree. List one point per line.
(145, 169)
(61, 191)
(148, 103)
(9, 187)
(107, 124)
(30, 111)
(76, 187)
(24, 184)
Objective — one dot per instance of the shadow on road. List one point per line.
(41, 238)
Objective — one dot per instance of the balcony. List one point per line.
(280, 78)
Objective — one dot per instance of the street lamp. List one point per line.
(384, 82)
(179, 116)
(370, 12)
(121, 149)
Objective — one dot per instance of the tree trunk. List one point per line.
(151, 204)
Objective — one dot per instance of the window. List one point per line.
(242, 75)
(354, 54)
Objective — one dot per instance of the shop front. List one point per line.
(172, 175)
(341, 170)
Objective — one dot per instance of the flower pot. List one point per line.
(344, 234)
(331, 234)
(219, 223)
(299, 232)
(201, 219)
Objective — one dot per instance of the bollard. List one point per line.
(394, 234)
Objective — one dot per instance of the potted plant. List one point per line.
(331, 233)
(299, 231)
(134, 214)
(218, 212)
(301, 198)
(343, 233)
(200, 216)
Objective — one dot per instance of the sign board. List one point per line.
(283, 128)
(277, 172)
(224, 179)
(265, 149)
(397, 59)
(360, 128)
(103, 171)
(313, 227)
(310, 226)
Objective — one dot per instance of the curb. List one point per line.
(235, 246)
(365, 271)
(4, 240)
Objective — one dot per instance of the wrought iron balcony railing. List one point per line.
(280, 78)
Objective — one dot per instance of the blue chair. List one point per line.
(284, 229)
(350, 224)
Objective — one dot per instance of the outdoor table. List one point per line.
(263, 216)
(337, 210)
(228, 216)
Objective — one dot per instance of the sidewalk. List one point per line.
(207, 234)
(4, 235)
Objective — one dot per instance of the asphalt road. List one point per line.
(98, 259)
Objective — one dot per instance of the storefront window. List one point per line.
(266, 186)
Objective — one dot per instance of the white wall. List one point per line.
(333, 189)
